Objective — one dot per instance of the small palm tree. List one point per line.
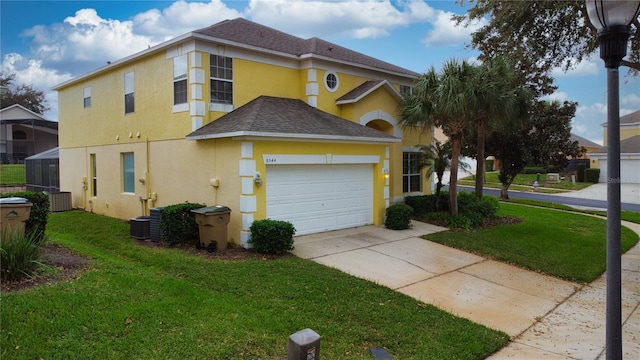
(436, 159)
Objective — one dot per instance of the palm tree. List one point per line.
(442, 99)
(496, 100)
(436, 158)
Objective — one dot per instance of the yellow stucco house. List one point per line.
(629, 150)
(242, 115)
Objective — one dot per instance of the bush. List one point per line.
(477, 210)
(398, 216)
(592, 175)
(178, 223)
(19, 254)
(37, 223)
(272, 236)
(534, 170)
(580, 169)
(422, 204)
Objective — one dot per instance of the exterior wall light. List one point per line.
(613, 21)
(385, 171)
(258, 179)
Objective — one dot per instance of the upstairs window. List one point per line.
(221, 69)
(128, 93)
(331, 81)
(410, 172)
(405, 90)
(180, 79)
(86, 96)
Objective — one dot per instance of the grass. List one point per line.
(140, 302)
(11, 174)
(625, 215)
(562, 244)
(524, 182)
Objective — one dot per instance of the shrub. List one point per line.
(178, 223)
(445, 219)
(398, 216)
(580, 169)
(19, 254)
(534, 170)
(272, 236)
(477, 210)
(427, 203)
(592, 175)
(37, 223)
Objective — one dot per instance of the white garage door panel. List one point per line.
(629, 171)
(318, 198)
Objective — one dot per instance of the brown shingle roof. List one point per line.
(366, 88)
(279, 117)
(632, 118)
(246, 32)
(582, 141)
(627, 146)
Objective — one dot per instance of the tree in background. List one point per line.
(24, 95)
(539, 36)
(442, 99)
(543, 139)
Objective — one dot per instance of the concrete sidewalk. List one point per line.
(546, 317)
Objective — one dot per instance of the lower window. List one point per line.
(128, 174)
(411, 172)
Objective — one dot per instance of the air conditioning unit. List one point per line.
(140, 227)
(60, 201)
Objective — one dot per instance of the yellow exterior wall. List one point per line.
(625, 133)
(170, 169)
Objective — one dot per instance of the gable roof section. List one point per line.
(629, 119)
(365, 89)
(17, 111)
(244, 32)
(275, 117)
(582, 141)
(627, 146)
(633, 118)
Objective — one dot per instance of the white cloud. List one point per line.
(445, 32)
(350, 19)
(582, 68)
(631, 101)
(556, 96)
(180, 18)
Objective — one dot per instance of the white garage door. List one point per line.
(318, 198)
(629, 171)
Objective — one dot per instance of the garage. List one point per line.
(629, 170)
(317, 198)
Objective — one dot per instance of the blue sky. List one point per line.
(48, 42)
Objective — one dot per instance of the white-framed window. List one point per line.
(331, 81)
(86, 96)
(128, 173)
(411, 172)
(180, 79)
(93, 175)
(405, 90)
(221, 79)
(129, 105)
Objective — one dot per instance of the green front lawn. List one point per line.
(524, 182)
(11, 174)
(138, 302)
(562, 244)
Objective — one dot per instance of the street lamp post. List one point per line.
(613, 20)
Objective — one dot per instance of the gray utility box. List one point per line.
(304, 345)
(212, 222)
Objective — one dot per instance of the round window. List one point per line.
(331, 81)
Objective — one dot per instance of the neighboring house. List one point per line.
(629, 150)
(42, 171)
(24, 133)
(588, 145)
(241, 115)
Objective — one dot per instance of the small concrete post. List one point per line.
(535, 185)
(304, 345)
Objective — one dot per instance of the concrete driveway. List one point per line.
(546, 317)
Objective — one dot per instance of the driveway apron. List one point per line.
(546, 317)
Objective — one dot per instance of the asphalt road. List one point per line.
(558, 199)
